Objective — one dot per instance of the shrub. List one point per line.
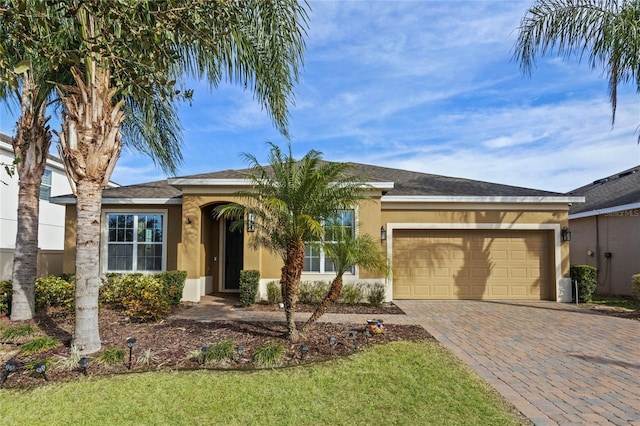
(249, 281)
(376, 293)
(173, 283)
(39, 344)
(352, 294)
(144, 298)
(274, 292)
(635, 285)
(587, 277)
(54, 292)
(13, 334)
(220, 351)
(312, 293)
(112, 356)
(110, 291)
(6, 290)
(269, 355)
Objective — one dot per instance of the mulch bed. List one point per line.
(172, 341)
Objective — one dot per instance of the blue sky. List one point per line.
(420, 85)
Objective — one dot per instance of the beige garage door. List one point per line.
(470, 264)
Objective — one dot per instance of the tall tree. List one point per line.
(289, 201)
(141, 49)
(607, 32)
(346, 250)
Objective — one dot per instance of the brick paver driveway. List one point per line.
(555, 363)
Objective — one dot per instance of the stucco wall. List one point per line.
(616, 233)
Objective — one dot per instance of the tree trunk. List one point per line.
(31, 145)
(90, 147)
(329, 299)
(290, 283)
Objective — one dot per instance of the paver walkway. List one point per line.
(556, 363)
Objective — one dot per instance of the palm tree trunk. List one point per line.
(329, 299)
(290, 283)
(31, 144)
(90, 147)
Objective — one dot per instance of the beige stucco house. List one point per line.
(445, 238)
(606, 230)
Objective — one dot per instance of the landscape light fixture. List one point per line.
(204, 350)
(240, 351)
(383, 234)
(131, 341)
(354, 337)
(9, 367)
(565, 234)
(304, 349)
(84, 363)
(367, 335)
(332, 343)
(41, 368)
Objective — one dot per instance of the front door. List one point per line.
(233, 255)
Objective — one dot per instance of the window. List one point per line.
(45, 185)
(314, 256)
(135, 242)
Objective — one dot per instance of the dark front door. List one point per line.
(233, 254)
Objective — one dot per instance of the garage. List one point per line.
(471, 264)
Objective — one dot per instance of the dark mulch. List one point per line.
(172, 341)
(384, 309)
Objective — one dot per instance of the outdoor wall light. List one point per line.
(9, 367)
(304, 349)
(383, 234)
(41, 368)
(251, 222)
(84, 363)
(565, 234)
(131, 341)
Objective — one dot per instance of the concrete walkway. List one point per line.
(556, 363)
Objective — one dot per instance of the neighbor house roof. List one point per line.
(614, 193)
(393, 182)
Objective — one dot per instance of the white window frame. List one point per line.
(47, 186)
(322, 254)
(104, 239)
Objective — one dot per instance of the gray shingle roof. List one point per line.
(616, 190)
(406, 183)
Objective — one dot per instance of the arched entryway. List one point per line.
(223, 251)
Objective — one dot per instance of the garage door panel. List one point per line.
(470, 264)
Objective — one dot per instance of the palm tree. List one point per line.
(346, 251)
(288, 203)
(607, 32)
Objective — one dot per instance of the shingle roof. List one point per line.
(616, 190)
(406, 183)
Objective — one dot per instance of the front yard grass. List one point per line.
(626, 302)
(398, 383)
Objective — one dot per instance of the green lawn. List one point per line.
(395, 384)
(616, 301)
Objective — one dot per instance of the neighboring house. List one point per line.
(445, 238)
(51, 227)
(606, 230)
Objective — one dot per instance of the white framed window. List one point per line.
(45, 185)
(134, 241)
(315, 260)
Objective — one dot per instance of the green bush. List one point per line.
(144, 298)
(274, 292)
(173, 283)
(112, 356)
(39, 344)
(6, 289)
(312, 293)
(376, 293)
(110, 292)
(269, 355)
(54, 292)
(220, 351)
(587, 277)
(249, 281)
(635, 285)
(352, 294)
